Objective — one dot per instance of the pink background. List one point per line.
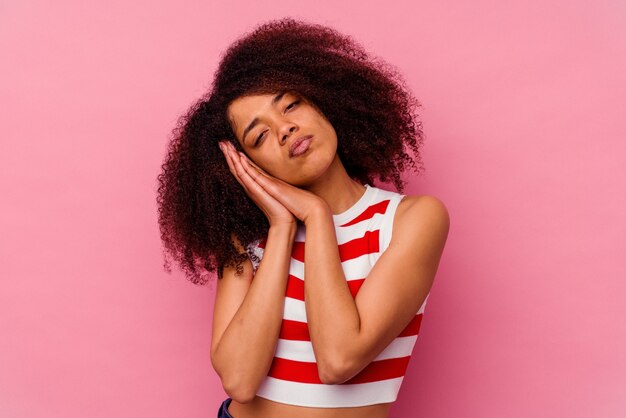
(525, 143)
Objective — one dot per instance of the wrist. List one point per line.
(317, 212)
(289, 228)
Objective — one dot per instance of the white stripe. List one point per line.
(348, 233)
(400, 347)
(358, 230)
(387, 226)
(296, 268)
(303, 350)
(343, 234)
(423, 307)
(329, 396)
(354, 269)
(295, 350)
(294, 310)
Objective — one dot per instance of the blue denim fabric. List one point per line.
(223, 411)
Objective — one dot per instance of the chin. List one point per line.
(298, 183)
(305, 181)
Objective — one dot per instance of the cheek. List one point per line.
(329, 132)
(272, 168)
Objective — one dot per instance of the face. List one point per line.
(266, 126)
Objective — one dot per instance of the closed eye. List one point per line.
(259, 138)
(263, 133)
(296, 102)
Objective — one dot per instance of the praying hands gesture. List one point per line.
(281, 202)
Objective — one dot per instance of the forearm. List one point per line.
(332, 314)
(246, 349)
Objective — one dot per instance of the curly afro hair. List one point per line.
(206, 219)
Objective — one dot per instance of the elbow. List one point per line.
(240, 393)
(330, 379)
(234, 386)
(326, 376)
(333, 372)
(242, 397)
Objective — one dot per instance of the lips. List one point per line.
(297, 142)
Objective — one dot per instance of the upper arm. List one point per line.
(229, 295)
(401, 279)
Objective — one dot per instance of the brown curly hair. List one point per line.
(206, 218)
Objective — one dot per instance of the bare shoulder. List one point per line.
(423, 205)
(422, 214)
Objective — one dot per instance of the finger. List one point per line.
(251, 187)
(268, 183)
(252, 163)
(252, 170)
(234, 158)
(229, 162)
(231, 166)
(244, 174)
(249, 176)
(276, 188)
(258, 169)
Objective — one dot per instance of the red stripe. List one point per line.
(299, 331)
(413, 328)
(380, 207)
(294, 330)
(354, 286)
(381, 370)
(295, 287)
(294, 371)
(298, 251)
(306, 372)
(367, 244)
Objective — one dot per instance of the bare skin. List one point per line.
(261, 407)
(311, 188)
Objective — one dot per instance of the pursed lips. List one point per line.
(297, 142)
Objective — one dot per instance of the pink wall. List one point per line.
(524, 116)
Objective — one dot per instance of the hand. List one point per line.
(275, 212)
(300, 203)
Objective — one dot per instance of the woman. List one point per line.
(268, 181)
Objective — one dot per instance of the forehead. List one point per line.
(245, 105)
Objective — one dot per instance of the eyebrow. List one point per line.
(255, 121)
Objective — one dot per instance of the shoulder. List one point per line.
(424, 205)
(423, 214)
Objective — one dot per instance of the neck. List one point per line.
(337, 189)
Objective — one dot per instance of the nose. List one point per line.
(286, 131)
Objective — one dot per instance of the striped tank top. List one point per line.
(363, 233)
